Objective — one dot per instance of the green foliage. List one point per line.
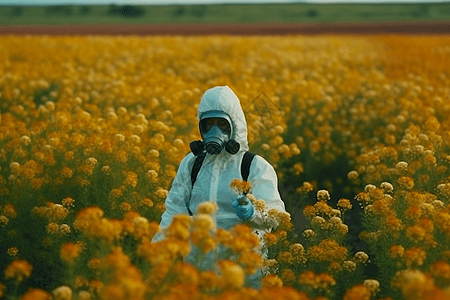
(17, 11)
(312, 13)
(126, 10)
(225, 13)
(65, 10)
(199, 11)
(178, 11)
(85, 10)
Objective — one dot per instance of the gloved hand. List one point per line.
(243, 211)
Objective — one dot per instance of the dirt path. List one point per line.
(234, 29)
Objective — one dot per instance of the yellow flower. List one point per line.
(18, 269)
(210, 281)
(327, 250)
(62, 293)
(322, 208)
(270, 239)
(305, 188)
(298, 169)
(396, 251)
(352, 175)
(36, 294)
(84, 295)
(309, 234)
(415, 233)
(413, 283)
(232, 274)
(344, 204)
(287, 276)
(323, 195)
(285, 257)
(394, 224)
(52, 228)
(224, 237)
(202, 222)
(147, 202)
(4, 221)
(361, 257)
(179, 228)
(95, 264)
(131, 179)
(440, 270)
(363, 197)
(309, 211)
(116, 193)
(121, 156)
(308, 278)
(12, 251)
(334, 267)
(91, 213)
(70, 251)
(325, 281)
(357, 292)
(243, 238)
(414, 256)
(260, 205)
(10, 211)
(125, 206)
(207, 207)
(318, 222)
(349, 265)
(298, 252)
(66, 172)
(240, 186)
(372, 285)
(187, 274)
(406, 183)
(272, 281)
(161, 193)
(68, 202)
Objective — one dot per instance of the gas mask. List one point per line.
(215, 129)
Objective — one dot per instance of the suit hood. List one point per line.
(222, 98)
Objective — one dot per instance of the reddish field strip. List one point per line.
(235, 29)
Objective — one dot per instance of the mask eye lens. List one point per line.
(207, 124)
(210, 122)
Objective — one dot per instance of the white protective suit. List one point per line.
(217, 171)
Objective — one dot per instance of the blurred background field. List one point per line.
(222, 13)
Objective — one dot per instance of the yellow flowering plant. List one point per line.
(90, 141)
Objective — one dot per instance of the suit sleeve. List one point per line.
(264, 182)
(178, 195)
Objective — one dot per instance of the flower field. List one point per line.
(93, 128)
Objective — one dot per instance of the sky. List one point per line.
(164, 2)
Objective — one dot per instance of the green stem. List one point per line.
(14, 294)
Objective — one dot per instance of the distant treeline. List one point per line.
(114, 9)
(219, 13)
(69, 10)
(178, 10)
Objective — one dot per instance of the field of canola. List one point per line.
(93, 129)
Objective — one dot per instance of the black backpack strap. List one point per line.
(195, 169)
(245, 165)
(197, 165)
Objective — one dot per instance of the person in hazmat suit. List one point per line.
(223, 129)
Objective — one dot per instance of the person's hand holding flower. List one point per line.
(243, 206)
